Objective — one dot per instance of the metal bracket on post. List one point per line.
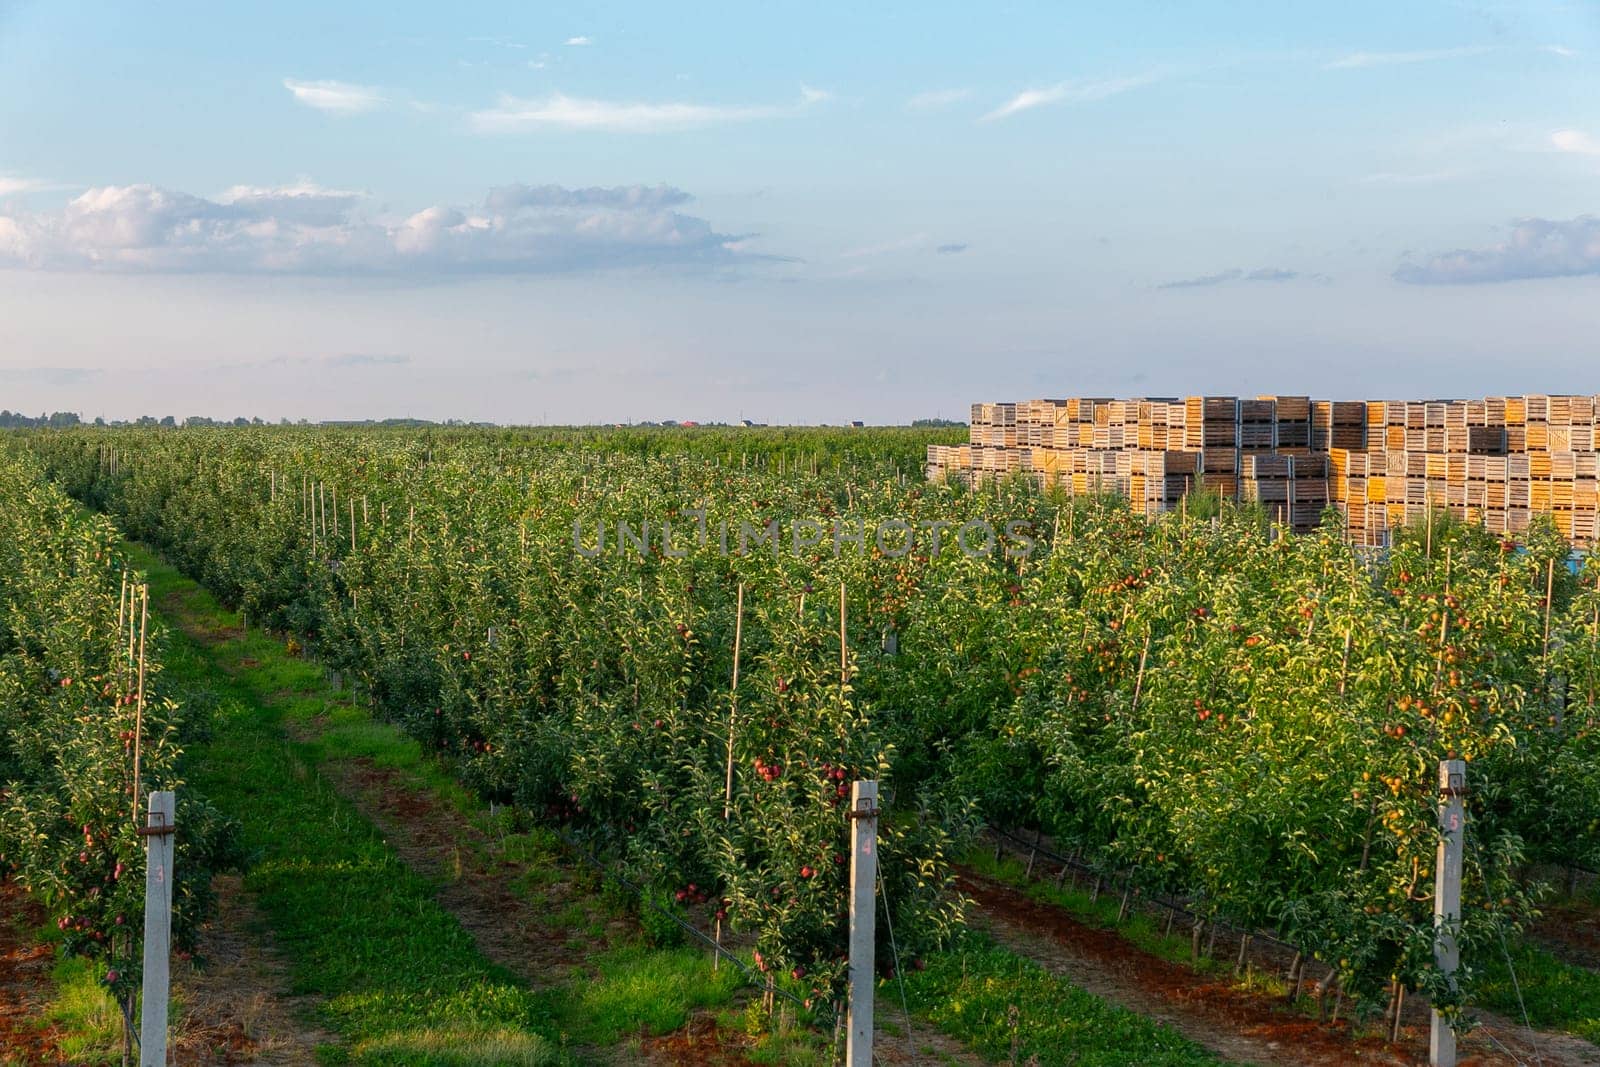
(863, 817)
(1447, 900)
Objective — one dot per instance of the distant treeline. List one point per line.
(10, 419)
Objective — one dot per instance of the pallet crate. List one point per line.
(1493, 459)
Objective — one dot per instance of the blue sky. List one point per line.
(797, 213)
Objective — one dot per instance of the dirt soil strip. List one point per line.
(235, 992)
(1210, 1010)
(24, 980)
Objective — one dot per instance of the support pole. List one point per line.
(863, 920)
(1447, 899)
(157, 928)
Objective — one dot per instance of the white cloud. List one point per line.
(1359, 60)
(1561, 50)
(559, 111)
(306, 229)
(1576, 142)
(11, 184)
(936, 99)
(1076, 91)
(335, 97)
(304, 202)
(1536, 248)
(578, 42)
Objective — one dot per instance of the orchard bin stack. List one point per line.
(1381, 463)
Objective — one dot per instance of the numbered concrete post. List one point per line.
(863, 921)
(1447, 899)
(159, 837)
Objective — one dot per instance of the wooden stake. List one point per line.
(1138, 683)
(844, 647)
(1549, 603)
(1444, 626)
(733, 714)
(1594, 645)
(1344, 664)
(138, 707)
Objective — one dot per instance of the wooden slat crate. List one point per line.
(1497, 459)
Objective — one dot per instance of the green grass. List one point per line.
(1558, 995)
(361, 930)
(639, 990)
(1010, 1009)
(86, 1015)
(400, 979)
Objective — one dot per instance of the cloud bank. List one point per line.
(1536, 248)
(306, 229)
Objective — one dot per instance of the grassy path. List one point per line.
(395, 974)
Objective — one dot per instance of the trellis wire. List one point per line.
(1174, 903)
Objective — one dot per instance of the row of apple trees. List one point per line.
(1251, 721)
(68, 718)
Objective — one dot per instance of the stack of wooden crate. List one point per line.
(1382, 463)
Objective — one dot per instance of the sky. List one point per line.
(791, 213)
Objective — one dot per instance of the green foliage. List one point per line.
(68, 719)
(1249, 720)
